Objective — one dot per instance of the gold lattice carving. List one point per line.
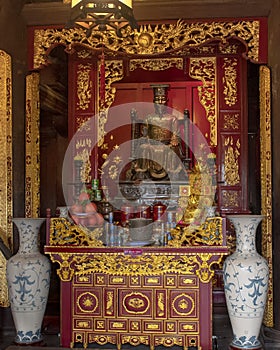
(231, 199)
(230, 81)
(149, 39)
(84, 86)
(204, 69)
(156, 64)
(231, 121)
(6, 188)
(232, 153)
(32, 146)
(209, 233)
(266, 183)
(63, 233)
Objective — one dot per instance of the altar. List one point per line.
(150, 295)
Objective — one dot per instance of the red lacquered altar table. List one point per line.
(136, 295)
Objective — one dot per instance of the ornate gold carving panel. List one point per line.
(6, 189)
(266, 182)
(150, 39)
(204, 69)
(232, 153)
(84, 86)
(113, 72)
(156, 64)
(4, 297)
(230, 81)
(32, 147)
(231, 121)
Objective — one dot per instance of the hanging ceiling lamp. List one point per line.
(102, 15)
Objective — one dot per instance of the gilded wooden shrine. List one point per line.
(154, 295)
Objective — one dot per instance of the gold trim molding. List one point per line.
(200, 264)
(150, 39)
(4, 297)
(32, 147)
(6, 189)
(266, 183)
(6, 196)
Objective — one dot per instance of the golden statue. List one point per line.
(157, 154)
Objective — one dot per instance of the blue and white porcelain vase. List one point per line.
(28, 275)
(246, 276)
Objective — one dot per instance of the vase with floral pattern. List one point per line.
(28, 275)
(246, 276)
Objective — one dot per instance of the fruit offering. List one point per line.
(84, 212)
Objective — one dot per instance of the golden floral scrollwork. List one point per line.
(87, 302)
(113, 72)
(228, 49)
(230, 81)
(183, 304)
(84, 155)
(205, 271)
(63, 233)
(209, 233)
(156, 64)
(144, 265)
(231, 121)
(84, 54)
(6, 188)
(230, 199)
(266, 183)
(149, 39)
(32, 146)
(136, 303)
(82, 123)
(4, 297)
(65, 271)
(204, 69)
(232, 153)
(84, 86)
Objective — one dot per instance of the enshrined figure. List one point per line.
(157, 151)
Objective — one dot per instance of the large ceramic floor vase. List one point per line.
(245, 281)
(28, 275)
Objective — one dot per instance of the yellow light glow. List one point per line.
(74, 2)
(127, 2)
